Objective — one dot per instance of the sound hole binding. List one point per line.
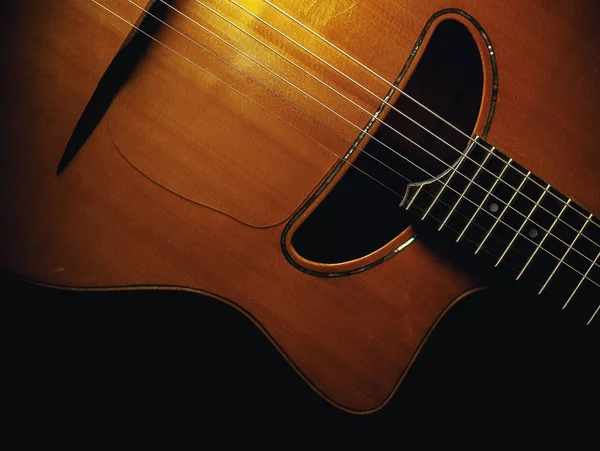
(405, 236)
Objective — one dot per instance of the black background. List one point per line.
(163, 359)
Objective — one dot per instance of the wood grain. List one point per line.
(183, 184)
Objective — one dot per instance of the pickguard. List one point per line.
(218, 129)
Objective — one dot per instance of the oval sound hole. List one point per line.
(360, 216)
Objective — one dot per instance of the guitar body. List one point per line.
(186, 184)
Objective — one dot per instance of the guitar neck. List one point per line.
(514, 220)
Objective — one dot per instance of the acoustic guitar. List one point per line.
(341, 172)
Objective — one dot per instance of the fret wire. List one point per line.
(445, 184)
(415, 196)
(523, 225)
(581, 281)
(501, 215)
(539, 246)
(569, 248)
(394, 87)
(593, 315)
(461, 195)
(484, 200)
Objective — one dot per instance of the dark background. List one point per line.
(162, 359)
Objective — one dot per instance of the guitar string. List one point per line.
(394, 87)
(407, 116)
(254, 80)
(402, 135)
(291, 126)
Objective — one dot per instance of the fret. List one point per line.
(574, 285)
(527, 219)
(453, 172)
(539, 246)
(585, 276)
(566, 252)
(464, 192)
(588, 243)
(589, 293)
(593, 315)
(414, 196)
(499, 219)
(570, 228)
(478, 209)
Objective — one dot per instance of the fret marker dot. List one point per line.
(494, 207)
(532, 233)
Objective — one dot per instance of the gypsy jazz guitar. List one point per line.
(342, 172)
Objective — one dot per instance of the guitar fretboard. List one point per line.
(519, 222)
